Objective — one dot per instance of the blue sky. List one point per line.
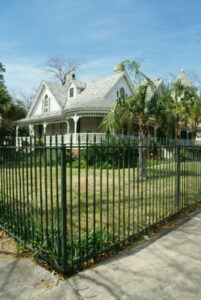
(162, 33)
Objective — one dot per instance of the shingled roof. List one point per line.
(95, 94)
(58, 91)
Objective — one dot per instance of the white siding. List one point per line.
(122, 83)
(53, 104)
(76, 91)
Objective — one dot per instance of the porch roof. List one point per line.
(59, 116)
(40, 118)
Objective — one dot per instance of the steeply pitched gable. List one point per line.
(57, 94)
(184, 79)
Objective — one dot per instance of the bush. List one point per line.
(112, 153)
(153, 162)
(75, 164)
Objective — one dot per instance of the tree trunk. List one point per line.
(142, 149)
(193, 135)
(177, 130)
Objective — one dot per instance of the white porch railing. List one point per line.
(92, 137)
(182, 142)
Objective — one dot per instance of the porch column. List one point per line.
(68, 127)
(17, 129)
(31, 130)
(75, 119)
(44, 128)
(155, 132)
(187, 137)
(17, 142)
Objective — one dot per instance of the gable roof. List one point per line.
(79, 84)
(184, 79)
(58, 91)
(95, 93)
(157, 82)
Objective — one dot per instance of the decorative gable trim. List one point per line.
(127, 79)
(38, 93)
(35, 99)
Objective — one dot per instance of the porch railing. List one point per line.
(90, 138)
(183, 142)
(57, 139)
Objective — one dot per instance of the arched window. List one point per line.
(122, 93)
(71, 92)
(46, 104)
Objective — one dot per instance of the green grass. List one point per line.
(124, 203)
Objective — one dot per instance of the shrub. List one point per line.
(111, 153)
(76, 163)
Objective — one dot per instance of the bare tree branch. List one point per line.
(23, 96)
(195, 79)
(60, 67)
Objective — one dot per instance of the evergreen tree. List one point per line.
(10, 110)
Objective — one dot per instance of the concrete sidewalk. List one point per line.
(168, 267)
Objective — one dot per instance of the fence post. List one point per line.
(178, 177)
(63, 206)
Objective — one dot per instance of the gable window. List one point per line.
(46, 104)
(122, 93)
(71, 92)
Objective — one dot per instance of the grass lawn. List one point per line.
(115, 200)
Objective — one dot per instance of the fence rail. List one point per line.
(91, 138)
(73, 203)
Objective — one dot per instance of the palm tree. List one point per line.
(194, 115)
(179, 104)
(144, 105)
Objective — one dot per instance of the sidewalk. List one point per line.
(168, 267)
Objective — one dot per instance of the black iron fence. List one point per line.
(72, 203)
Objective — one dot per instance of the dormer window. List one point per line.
(71, 92)
(46, 104)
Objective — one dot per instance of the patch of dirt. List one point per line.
(7, 244)
(10, 248)
(44, 284)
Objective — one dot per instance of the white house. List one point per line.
(78, 107)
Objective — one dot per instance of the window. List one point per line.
(46, 104)
(71, 92)
(122, 93)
